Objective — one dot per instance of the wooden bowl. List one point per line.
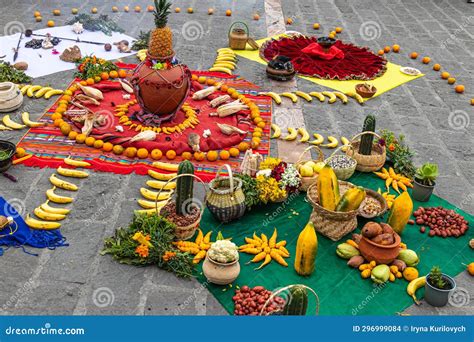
(381, 254)
(378, 197)
(362, 91)
(10, 149)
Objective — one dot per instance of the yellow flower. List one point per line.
(142, 239)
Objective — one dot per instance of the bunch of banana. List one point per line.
(141, 54)
(25, 117)
(38, 91)
(225, 61)
(397, 181)
(48, 216)
(8, 122)
(356, 96)
(414, 285)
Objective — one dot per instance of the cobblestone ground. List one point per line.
(436, 122)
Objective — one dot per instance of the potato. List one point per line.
(371, 229)
(355, 261)
(386, 228)
(384, 239)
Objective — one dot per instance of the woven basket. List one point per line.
(370, 163)
(225, 198)
(307, 181)
(332, 224)
(346, 172)
(182, 232)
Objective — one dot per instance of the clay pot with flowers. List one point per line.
(221, 265)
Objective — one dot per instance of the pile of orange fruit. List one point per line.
(105, 76)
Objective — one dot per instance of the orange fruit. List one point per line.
(255, 142)
(56, 12)
(333, 33)
(212, 156)
(138, 9)
(256, 16)
(98, 144)
(80, 138)
(436, 67)
(426, 60)
(84, 83)
(38, 19)
(228, 13)
(107, 147)
(190, 10)
(156, 154)
(414, 55)
(338, 29)
(118, 149)
(199, 156)
(187, 155)
(130, 152)
(332, 36)
(74, 11)
(224, 88)
(50, 23)
(97, 79)
(210, 11)
(170, 154)
(72, 135)
(20, 152)
(472, 102)
(113, 74)
(257, 120)
(58, 122)
(289, 21)
(451, 80)
(258, 129)
(224, 155)
(37, 14)
(68, 92)
(210, 81)
(65, 128)
(122, 73)
(194, 77)
(56, 116)
(257, 134)
(316, 26)
(115, 9)
(396, 48)
(243, 146)
(381, 52)
(234, 152)
(459, 89)
(150, 8)
(445, 75)
(387, 49)
(94, 10)
(126, 9)
(90, 141)
(202, 79)
(177, 10)
(142, 153)
(261, 124)
(104, 76)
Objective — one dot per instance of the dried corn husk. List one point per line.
(219, 100)
(193, 141)
(202, 94)
(88, 124)
(229, 129)
(144, 136)
(92, 92)
(231, 108)
(82, 98)
(126, 86)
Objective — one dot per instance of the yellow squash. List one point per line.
(328, 188)
(306, 250)
(400, 212)
(351, 199)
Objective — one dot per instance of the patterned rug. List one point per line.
(49, 146)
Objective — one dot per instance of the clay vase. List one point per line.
(219, 273)
(160, 93)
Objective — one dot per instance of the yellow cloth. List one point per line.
(392, 78)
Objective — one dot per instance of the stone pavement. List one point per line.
(436, 122)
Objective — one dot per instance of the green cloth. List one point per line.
(341, 289)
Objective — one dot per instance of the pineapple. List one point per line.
(161, 38)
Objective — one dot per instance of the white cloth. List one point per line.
(49, 63)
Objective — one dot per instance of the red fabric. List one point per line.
(358, 63)
(316, 50)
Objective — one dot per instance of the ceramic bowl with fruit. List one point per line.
(379, 243)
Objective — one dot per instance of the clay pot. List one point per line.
(160, 93)
(10, 97)
(220, 273)
(381, 254)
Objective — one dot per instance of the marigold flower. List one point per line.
(142, 251)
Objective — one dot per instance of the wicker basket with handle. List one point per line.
(343, 173)
(307, 181)
(367, 163)
(238, 37)
(225, 198)
(187, 231)
(285, 295)
(332, 224)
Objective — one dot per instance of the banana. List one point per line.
(318, 95)
(76, 163)
(221, 69)
(11, 124)
(304, 95)
(226, 54)
(318, 139)
(276, 131)
(160, 185)
(333, 142)
(304, 134)
(224, 65)
(273, 95)
(52, 93)
(229, 50)
(25, 117)
(42, 91)
(293, 133)
(332, 97)
(46, 207)
(226, 62)
(5, 128)
(48, 216)
(31, 90)
(344, 142)
(152, 195)
(62, 184)
(414, 285)
(72, 173)
(341, 96)
(356, 96)
(57, 198)
(225, 59)
(161, 176)
(37, 224)
(166, 166)
(150, 204)
(24, 89)
(291, 96)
